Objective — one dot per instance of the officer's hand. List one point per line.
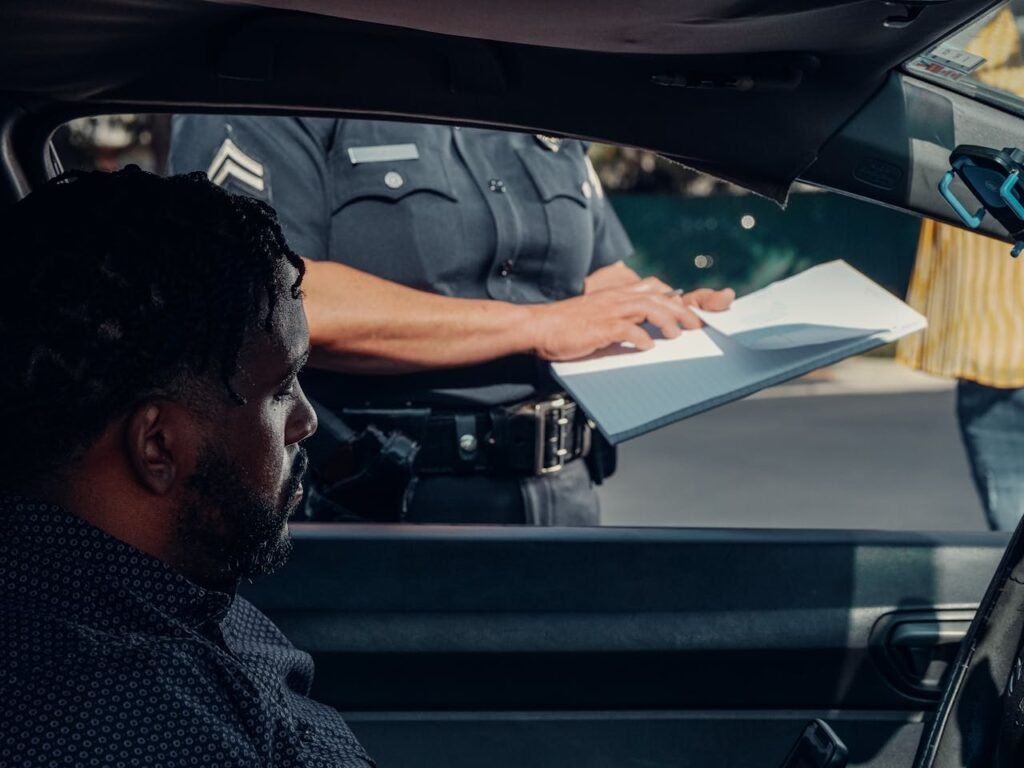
(616, 275)
(577, 327)
(702, 298)
(709, 299)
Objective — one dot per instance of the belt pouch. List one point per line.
(603, 458)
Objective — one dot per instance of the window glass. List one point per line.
(983, 60)
(868, 443)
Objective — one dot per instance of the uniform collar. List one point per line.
(65, 549)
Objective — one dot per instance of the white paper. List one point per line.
(690, 345)
(796, 325)
(827, 303)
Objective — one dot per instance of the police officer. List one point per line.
(445, 266)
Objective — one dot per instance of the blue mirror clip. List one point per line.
(1006, 193)
(996, 179)
(971, 220)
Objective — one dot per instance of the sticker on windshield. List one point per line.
(927, 66)
(955, 59)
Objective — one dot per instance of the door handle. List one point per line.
(924, 650)
(918, 647)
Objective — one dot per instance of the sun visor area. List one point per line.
(745, 90)
(698, 110)
(777, 191)
(641, 26)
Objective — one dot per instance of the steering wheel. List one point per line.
(980, 721)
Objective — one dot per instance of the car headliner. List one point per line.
(746, 90)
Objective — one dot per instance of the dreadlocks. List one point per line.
(119, 286)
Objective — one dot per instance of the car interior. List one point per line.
(613, 646)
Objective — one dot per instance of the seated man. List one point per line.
(151, 331)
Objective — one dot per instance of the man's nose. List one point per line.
(303, 422)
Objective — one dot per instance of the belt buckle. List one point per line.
(555, 415)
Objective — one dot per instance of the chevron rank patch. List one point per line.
(231, 162)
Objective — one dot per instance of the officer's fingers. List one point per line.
(650, 285)
(666, 315)
(691, 321)
(684, 316)
(633, 334)
(705, 298)
(720, 300)
(696, 297)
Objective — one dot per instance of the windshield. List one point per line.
(982, 60)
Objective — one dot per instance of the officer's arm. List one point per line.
(360, 323)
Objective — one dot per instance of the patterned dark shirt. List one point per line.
(110, 658)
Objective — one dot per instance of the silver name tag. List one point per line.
(384, 153)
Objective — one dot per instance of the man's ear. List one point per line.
(159, 445)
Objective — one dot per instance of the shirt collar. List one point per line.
(59, 543)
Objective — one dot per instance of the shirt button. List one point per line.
(506, 268)
(587, 189)
(393, 180)
(496, 185)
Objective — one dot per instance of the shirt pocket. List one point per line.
(556, 174)
(392, 181)
(397, 220)
(563, 187)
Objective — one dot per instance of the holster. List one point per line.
(603, 458)
(362, 472)
(358, 476)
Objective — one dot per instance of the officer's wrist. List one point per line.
(535, 324)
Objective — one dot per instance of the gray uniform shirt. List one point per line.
(464, 212)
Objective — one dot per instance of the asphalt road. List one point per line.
(884, 461)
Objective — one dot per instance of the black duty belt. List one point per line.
(538, 437)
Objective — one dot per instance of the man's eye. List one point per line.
(286, 394)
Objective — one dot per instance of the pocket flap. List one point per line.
(556, 174)
(392, 181)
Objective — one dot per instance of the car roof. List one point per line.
(747, 90)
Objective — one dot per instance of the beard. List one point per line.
(227, 528)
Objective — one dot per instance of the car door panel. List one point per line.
(725, 739)
(459, 646)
